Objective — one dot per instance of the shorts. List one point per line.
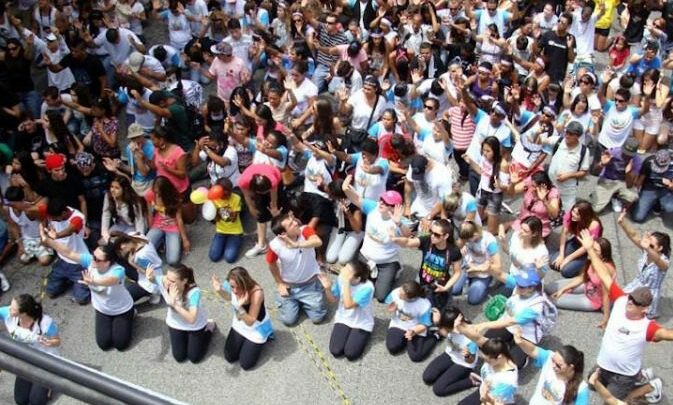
(650, 125)
(602, 31)
(618, 385)
(491, 201)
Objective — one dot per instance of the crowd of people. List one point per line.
(352, 129)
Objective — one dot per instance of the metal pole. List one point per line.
(96, 381)
(55, 382)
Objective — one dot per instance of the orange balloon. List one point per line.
(216, 192)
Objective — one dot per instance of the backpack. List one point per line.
(545, 323)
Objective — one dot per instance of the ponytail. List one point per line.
(575, 359)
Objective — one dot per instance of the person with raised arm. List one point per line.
(628, 329)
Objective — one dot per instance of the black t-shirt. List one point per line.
(95, 186)
(8, 100)
(654, 180)
(636, 26)
(69, 189)
(86, 72)
(317, 206)
(436, 263)
(555, 48)
(19, 79)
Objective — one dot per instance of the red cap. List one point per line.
(54, 161)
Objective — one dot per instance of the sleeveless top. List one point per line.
(175, 153)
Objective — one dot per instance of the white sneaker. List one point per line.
(646, 375)
(617, 205)
(155, 299)
(256, 250)
(4, 283)
(655, 396)
(25, 258)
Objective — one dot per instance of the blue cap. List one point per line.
(528, 277)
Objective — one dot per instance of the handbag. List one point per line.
(354, 137)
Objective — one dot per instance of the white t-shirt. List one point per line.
(409, 313)
(369, 185)
(584, 34)
(259, 332)
(594, 102)
(229, 171)
(241, 47)
(46, 327)
(74, 241)
(198, 9)
(362, 315)
(437, 182)
(377, 245)
(316, 169)
(436, 150)
(550, 389)
(64, 79)
(143, 258)
(152, 64)
(296, 265)
(522, 256)
(192, 300)
(617, 125)
(424, 130)
(362, 110)
(455, 344)
(304, 93)
(483, 130)
(109, 300)
(118, 52)
(144, 117)
(179, 31)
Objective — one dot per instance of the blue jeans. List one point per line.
(62, 276)
(477, 290)
(30, 101)
(309, 297)
(226, 245)
(575, 267)
(195, 75)
(649, 197)
(320, 76)
(173, 244)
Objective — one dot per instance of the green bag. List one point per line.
(495, 307)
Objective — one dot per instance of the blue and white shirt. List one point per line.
(192, 300)
(409, 313)
(109, 300)
(362, 316)
(502, 384)
(46, 327)
(455, 344)
(369, 185)
(550, 389)
(143, 258)
(259, 332)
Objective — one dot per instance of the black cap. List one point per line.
(418, 165)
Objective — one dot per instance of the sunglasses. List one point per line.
(620, 100)
(437, 234)
(297, 20)
(331, 22)
(585, 82)
(386, 204)
(97, 260)
(429, 107)
(548, 115)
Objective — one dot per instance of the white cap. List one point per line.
(51, 37)
(136, 60)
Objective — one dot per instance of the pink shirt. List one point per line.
(171, 160)
(356, 61)
(271, 172)
(532, 206)
(229, 75)
(593, 288)
(595, 232)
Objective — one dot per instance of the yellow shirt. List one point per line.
(606, 20)
(224, 209)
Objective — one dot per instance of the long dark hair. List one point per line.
(30, 306)
(60, 130)
(121, 238)
(494, 144)
(664, 240)
(169, 195)
(496, 347)
(323, 124)
(243, 279)
(586, 216)
(128, 197)
(574, 358)
(184, 273)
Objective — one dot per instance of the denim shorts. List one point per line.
(491, 201)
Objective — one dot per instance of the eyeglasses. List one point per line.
(428, 107)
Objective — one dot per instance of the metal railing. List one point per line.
(72, 379)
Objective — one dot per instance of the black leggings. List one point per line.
(238, 348)
(137, 292)
(518, 356)
(418, 348)
(189, 344)
(473, 399)
(28, 393)
(114, 331)
(349, 342)
(447, 377)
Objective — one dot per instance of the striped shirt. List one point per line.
(462, 130)
(328, 40)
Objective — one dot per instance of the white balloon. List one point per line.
(208, 211)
